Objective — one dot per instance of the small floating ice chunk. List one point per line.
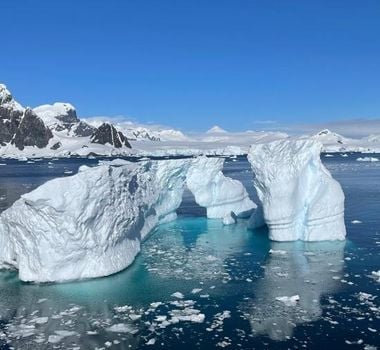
(277, 252)
(122, 328)
(60, 335)
(40, 320)
(196, 290)
(365, 296)
(134, 317)
(376, 275)
(178, 295)
(356, 222)
(156, 304)
(289, 301)
(367, 159)
(151, 341)
(124, 308)
(358, 342)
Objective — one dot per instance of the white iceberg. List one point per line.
(92, 224)
(221, 195)
(299, 198)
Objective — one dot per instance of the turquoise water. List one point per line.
(199, 285)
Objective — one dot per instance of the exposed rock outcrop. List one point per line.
(20, 127)
(10, 115)
(106, 133)
(31, 132)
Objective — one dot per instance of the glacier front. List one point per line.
(92, 224)
(299, 199)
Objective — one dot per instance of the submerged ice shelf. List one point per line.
(92, 224)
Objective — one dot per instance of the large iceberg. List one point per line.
(299, 199)
(92, 224)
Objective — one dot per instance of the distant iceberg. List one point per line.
(299, 199)
(367, 159)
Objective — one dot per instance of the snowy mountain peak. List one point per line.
(106, 133)
(5, 95)
(216, 130)
(7, 100)
(325, 132)
(327, 136)
(64, 112)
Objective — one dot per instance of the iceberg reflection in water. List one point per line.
(306, 270)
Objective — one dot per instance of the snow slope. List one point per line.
(299, 198)
(92, 224)
(141, 132)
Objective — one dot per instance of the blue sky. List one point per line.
(241, 64)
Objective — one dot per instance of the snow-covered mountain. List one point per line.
(333, 142)
(328, 137)
(56, 130)
(216, 130)
(53, 130)
(141, 132)
(63, 117)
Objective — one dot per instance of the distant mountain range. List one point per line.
(56, 130)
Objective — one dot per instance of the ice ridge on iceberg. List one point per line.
(299, 199)
(92, 224)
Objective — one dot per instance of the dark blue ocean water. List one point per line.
(226, 281)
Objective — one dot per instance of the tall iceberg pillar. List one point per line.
(299, 199)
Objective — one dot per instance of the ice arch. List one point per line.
(92, 224)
